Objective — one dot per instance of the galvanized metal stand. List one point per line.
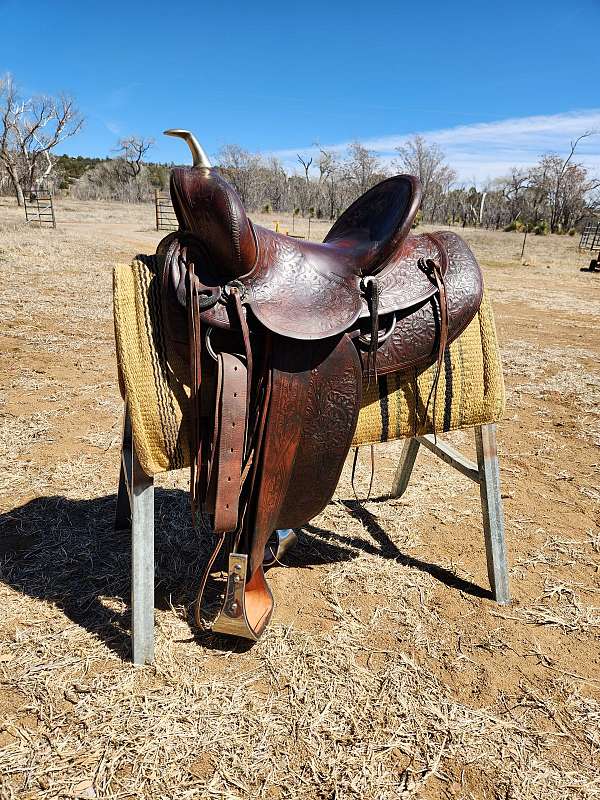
(487, 474)
(135, 513)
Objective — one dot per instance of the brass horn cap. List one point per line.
(199, 157)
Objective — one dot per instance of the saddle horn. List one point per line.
(209, 208)
(199, 157)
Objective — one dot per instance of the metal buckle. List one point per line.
(243, 291)
(209, 297)
(209, 347)
(367, 281)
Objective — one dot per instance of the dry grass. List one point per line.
(388, 672)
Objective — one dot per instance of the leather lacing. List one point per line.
(370, 287)
(371, 290)
(194, 338)
(434, 271)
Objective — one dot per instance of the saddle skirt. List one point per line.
(279, 334)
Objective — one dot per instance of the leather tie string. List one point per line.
(354, 464)
(371, 289)
(194, 337)
(433, 269)
(239, 309)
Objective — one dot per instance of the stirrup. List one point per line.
(278, 545)
(233, 617)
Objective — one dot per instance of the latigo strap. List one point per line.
(231, 415)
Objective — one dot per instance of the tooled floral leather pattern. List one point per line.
(297, 297)
(330, 418)
(414, 342)
(313, 410)
(300, 295)
(402, 283)
(295, 293)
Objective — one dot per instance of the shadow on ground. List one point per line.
(66, 552)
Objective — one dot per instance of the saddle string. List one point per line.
(260, 422)
(354, 463)
(204, 579)
(194, 334)
(261, 398)
(212, 451)
(371, 289)
(239, 309)
(260, 394)
(434, 270)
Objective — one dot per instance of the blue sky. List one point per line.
(494, 83)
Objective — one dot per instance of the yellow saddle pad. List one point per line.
(470, 389)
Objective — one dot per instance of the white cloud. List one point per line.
(113, 127)
(489, 149)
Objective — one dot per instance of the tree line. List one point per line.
(555, 195)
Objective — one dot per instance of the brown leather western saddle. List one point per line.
(279, 334)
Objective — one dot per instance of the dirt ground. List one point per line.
(388, 671)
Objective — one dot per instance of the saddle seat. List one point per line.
(296, 288)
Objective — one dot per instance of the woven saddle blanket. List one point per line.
(394, 407)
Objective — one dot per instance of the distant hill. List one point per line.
(70, 168)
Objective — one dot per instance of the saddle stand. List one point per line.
(135, 515)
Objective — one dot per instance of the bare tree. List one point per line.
(107, 180)
(555, 189)
(514, 190)
(241, 168)
(29, 131)
(428, 163)
(305, 190)
(329, 180)
(131, 151)
(306, 162)
(327, 164)
(362, 169)
(554, 195)
(568, 184)
(275, 184)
